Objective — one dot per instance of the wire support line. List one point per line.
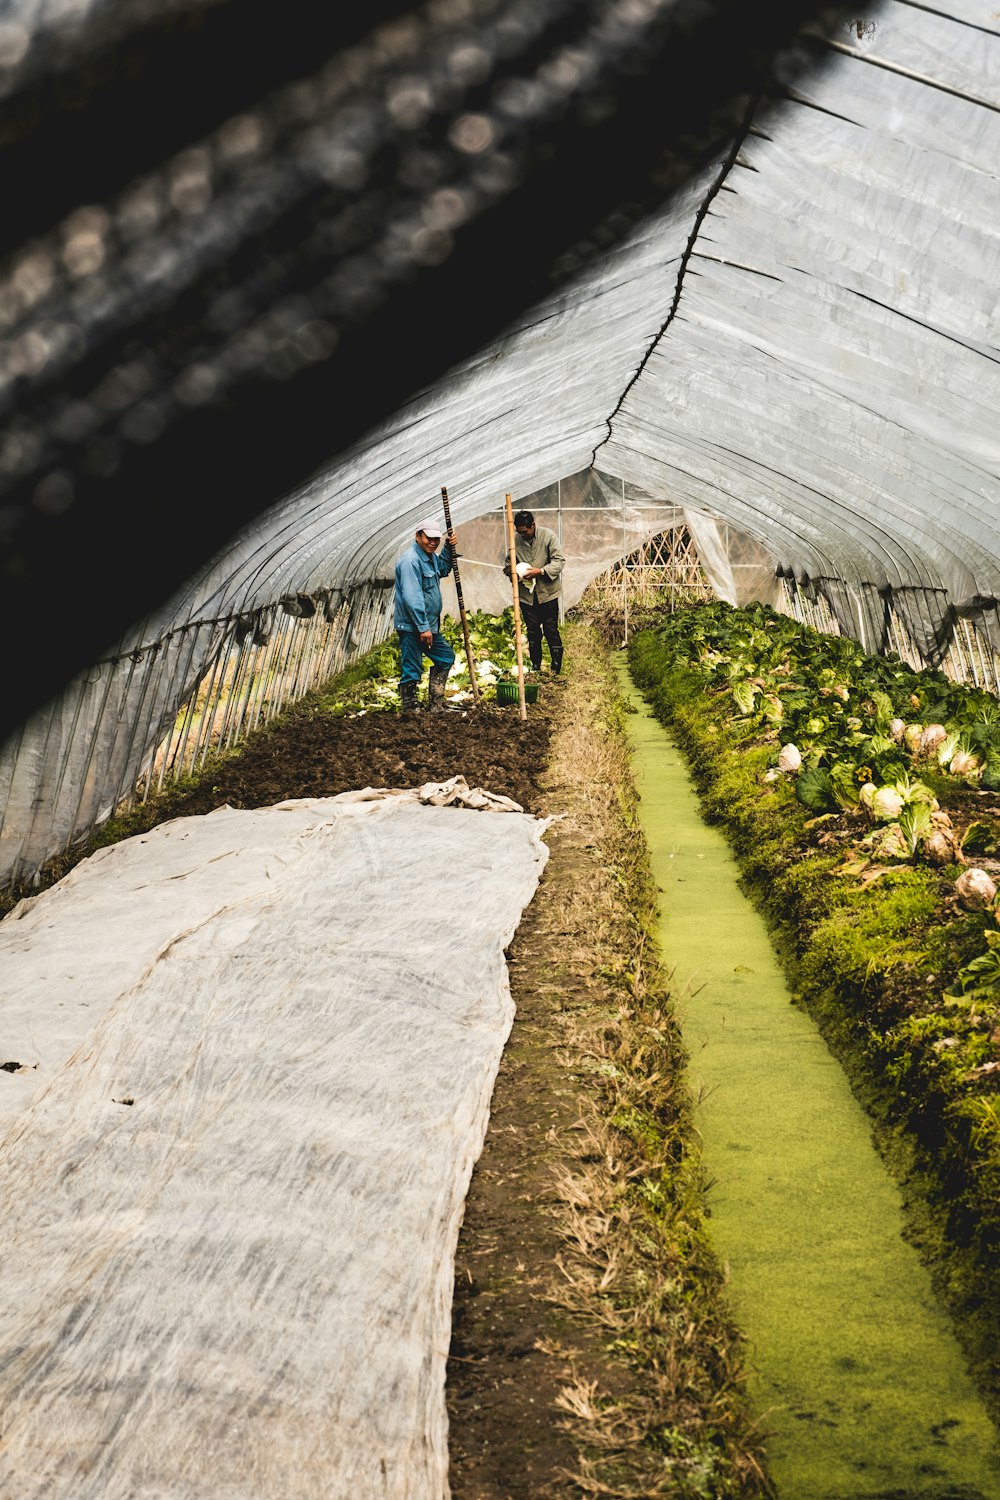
(947, 15)
(912, 74)
(795, 97)
(953, 338)
(736, 265)
(715, 188)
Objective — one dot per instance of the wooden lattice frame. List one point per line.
(666, 564)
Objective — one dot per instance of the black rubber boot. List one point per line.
(435, 689)
(408, 697)
(557, 657)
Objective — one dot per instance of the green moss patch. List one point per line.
(857, 1375)
(902, 980)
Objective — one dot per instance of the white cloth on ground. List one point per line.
(258, 1049)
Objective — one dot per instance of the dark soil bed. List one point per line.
(310, 754)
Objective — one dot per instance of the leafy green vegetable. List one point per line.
(744, 697)
(981, 838)
(814, 789)
(844, 785)
(981, 975)
(914, 822)
(884, 711)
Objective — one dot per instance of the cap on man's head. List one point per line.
(430, 528)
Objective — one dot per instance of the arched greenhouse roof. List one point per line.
(732, 262)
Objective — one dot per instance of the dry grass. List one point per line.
(636, 1260)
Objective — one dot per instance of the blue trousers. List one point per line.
(413, 652)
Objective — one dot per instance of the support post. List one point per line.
(624, 572)
(512, 552)
(473, 683)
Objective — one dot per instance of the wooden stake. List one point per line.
(461, 603)
(512, 550)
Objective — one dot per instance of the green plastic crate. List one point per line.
(507, 692)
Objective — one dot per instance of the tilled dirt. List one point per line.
(313, 755)
(514, 1350)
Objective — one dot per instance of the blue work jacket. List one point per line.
(418, 588)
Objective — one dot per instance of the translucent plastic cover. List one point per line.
(799, 354)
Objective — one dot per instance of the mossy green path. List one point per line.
(859, 1379)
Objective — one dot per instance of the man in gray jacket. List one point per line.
(540, 563)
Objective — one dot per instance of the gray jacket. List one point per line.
(542, 551)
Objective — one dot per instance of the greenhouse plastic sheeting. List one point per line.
(827, 383)
(799, 353)
(257, 1055)
(598, 520)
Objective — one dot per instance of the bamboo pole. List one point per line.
(624, 572)
(512, 550)
(461, 603)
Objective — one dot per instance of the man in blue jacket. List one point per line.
(418, 616)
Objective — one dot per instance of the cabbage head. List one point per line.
(887, 804)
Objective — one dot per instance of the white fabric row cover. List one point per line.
(257, 1054)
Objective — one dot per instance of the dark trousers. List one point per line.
(539, 620)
